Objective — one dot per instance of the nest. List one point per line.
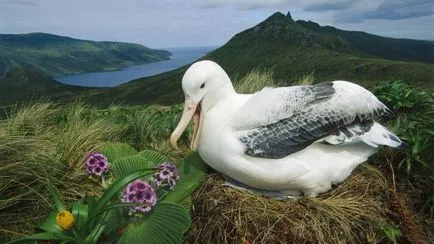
(352, 212)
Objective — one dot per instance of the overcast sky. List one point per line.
(182, 23)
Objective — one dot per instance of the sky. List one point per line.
(193, 23)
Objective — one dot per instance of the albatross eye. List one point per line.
(202, 86)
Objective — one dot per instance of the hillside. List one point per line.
(370, 45)
(294, 49)
(21, 85)
(59, 55)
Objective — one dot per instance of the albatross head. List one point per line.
(204, 84)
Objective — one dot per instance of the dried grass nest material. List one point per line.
(352, 212)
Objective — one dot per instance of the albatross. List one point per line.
(293, 141)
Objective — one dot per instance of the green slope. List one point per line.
(291, 50)
(59, 55)
(21, 86)
(370, 45)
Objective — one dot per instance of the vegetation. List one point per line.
(164, 209)
(43, 141)
(46, 141)
(59, 55)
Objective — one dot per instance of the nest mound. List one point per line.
(352, 212)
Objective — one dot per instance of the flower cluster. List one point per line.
(97, 164)
(142, 193)
(65, 220)
(167, 175)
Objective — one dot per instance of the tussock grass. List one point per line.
(255, 80)
(352, 212)
(305, 80)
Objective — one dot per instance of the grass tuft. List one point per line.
(255, 80)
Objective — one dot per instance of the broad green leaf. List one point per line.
(192, 170)
(165, 224)
(126, 165)
(80, 213)
(154, 157)
(115, 219)
(50, 224)
(114, 151)
(116, 187)
(58, 203)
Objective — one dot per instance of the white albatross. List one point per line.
(290, 140)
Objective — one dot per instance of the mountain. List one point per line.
(60, 55)
(20, 85)
(293, 49)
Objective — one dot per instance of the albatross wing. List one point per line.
(275, 123)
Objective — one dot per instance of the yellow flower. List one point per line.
(65, 220)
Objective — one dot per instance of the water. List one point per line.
(180, 57)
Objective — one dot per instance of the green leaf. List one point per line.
(91, 203)
(192, 170)
(115, 219)
(112, 206)
(116, 187)
(126, 165)
(58, 203)
(80, 213)
(50, 224)
(114, 151)
(165, 224)
(154, 157)
(95, 234)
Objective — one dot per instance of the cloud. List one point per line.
(389, 10)
(28, 3)
(343, 10)
(328, 6)
(240, 4)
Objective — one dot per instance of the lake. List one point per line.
(180, 57)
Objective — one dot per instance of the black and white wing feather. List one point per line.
(275, 123)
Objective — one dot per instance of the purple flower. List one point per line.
(142, 193)
(97, 164)
(167, 175)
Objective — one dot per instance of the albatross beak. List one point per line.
(191, 110)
